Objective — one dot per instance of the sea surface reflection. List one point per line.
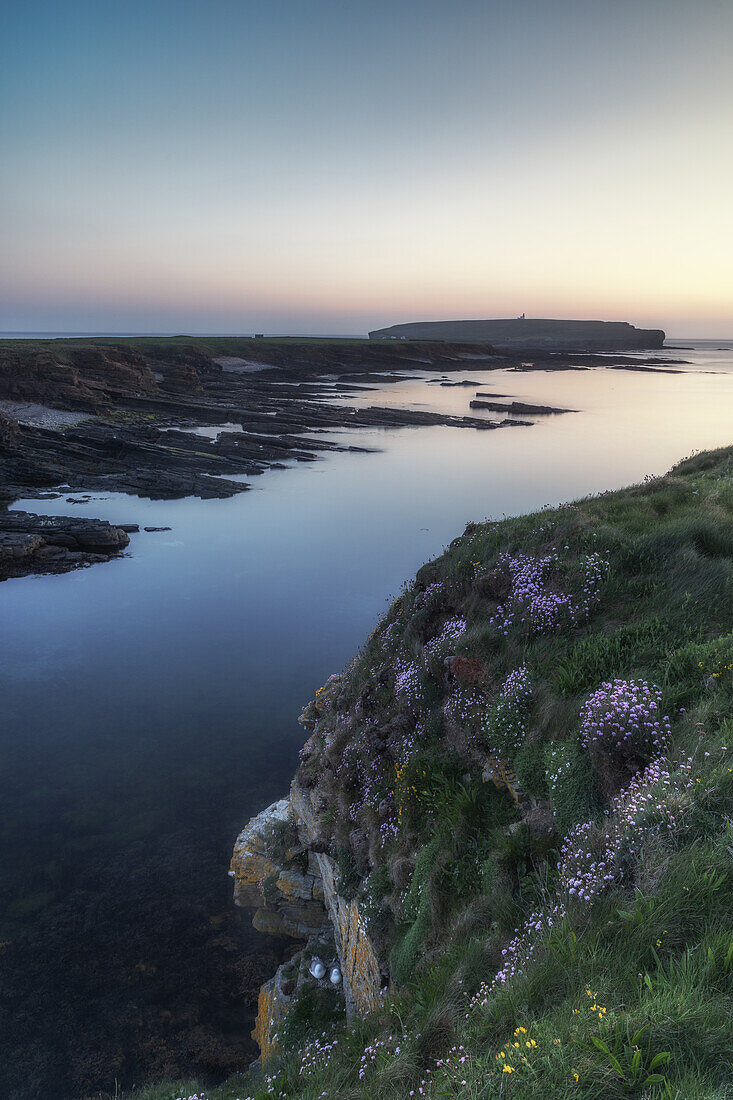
(150, 704)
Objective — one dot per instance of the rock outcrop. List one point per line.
(275, 875)
(72, 377)
(361, 970)
(144, 405)
(516, 408)
(54, 544)
(293, 890)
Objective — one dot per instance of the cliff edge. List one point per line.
(515, 804)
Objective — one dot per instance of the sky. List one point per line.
(313, 166)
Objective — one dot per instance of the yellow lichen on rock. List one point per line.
(501, 775)
(251, 864)
(272, 1009)
(359, 963)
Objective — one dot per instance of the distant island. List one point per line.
(531, 332)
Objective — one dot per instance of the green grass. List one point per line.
(631, 996)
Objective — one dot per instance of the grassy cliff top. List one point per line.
(530, 332)
(526, 779)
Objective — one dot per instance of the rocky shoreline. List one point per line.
(122, 416)
(54, 544)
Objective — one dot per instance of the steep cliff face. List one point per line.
(362, 975)
(78, 377)
(294, 891)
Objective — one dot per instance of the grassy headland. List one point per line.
(565, 930)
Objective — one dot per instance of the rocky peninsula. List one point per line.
(121, 415)
(531, 333)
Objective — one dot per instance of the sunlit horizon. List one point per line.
(334, 168)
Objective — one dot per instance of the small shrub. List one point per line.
(375, 888)
(529, 766)
(505, 724)
(315, 1010)
(571, 784)
(282, 838)
(348, 874)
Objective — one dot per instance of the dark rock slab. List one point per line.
(54, 544)
(472, 382)
(518, 408)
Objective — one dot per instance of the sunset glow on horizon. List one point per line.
(342, 167)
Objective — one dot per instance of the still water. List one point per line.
(150, 704)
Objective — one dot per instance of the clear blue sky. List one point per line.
(331, 167)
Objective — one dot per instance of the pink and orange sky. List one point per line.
(334, 167)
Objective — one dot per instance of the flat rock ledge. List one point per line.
(54, 544)
(294, 892)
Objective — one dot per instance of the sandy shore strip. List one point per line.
(41, 416)
(237, 365)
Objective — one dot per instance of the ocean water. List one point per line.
(150, 704)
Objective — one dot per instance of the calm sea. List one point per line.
(150, 704)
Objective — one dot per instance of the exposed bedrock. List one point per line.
(54, 544)
(98, 416)
(516, 408)
(281, 871)
(87, 378)
(276, 875)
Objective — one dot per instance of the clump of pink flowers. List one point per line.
(315, 1053)
(465, 707)
(389, 1046)
(539, 608)
(444, 642)
(590, 858)
(389, 829)
(408, 686)
(517, 686)
(625, 716)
